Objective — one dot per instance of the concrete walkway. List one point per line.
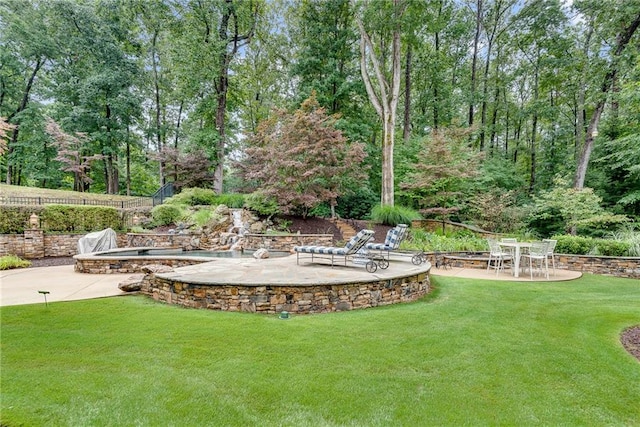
(21, 285)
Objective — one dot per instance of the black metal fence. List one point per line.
(122, 204)
(164, 192)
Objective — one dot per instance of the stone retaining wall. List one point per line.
(34, 244)
(100, 265)
(294, 299)
(628, 267)
(285, 242)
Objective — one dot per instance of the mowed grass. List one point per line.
(20, 191)
(472, 353)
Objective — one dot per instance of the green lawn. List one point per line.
(473, 352)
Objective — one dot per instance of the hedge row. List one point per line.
(60, 218)
(589, 246)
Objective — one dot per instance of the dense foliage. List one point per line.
(484, 104)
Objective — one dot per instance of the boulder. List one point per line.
(156, 268)
(261, 253)
(132, 284)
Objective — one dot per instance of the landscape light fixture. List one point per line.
(45, 297)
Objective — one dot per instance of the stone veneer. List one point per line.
(112, 265)
(286, 242)
(628, 267)
(271, 299)
(34, 244)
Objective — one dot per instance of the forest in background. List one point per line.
(455, 108)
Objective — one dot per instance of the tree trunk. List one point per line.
(21, 107)
(407, 97)
(583, 161)
(386, 101)
(474, 61)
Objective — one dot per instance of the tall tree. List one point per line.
(627, 19)
(385, 94)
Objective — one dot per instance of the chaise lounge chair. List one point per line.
(351, 251)
(395, 236)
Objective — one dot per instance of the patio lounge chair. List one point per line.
(395, 236)
(352, 250)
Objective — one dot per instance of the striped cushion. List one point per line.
(392, 241)
(325, 250)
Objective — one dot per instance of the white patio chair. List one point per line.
(498, 256)
(537, 257)
(550, 248)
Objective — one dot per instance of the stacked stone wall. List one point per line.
(628, 267)
(97, 265)
(285, 242)
(270, 299)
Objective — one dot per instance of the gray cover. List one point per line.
(97, 241)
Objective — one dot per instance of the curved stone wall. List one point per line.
(272, 299)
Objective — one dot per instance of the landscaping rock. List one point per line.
(261, 254)
(156, 268)
(132, 284)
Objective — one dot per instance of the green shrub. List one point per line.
(206, 197)
(201, 217)
(167, 214)
(573, 244)
(231, 200)
(262, 204)
(607, 247)
(14, 219)
(193, 197)
(71, 218)
(577, 245)
(8, 262)
(393, 215)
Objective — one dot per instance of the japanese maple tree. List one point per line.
(301, 158)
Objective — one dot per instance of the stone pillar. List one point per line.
(33, 244)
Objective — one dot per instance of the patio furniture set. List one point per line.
(361, 250)
(509, 253)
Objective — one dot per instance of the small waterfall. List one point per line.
(237, 227)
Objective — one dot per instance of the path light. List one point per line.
(284, 315)
(45, 297)
(34, 221)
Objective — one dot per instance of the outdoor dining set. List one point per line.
(515, 255)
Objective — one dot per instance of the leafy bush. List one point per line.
(14, 219)
(420, 239)
(167, 214)
(357, 205)
(193, 197)
(393, 215)
(231, 200)
(573, 244)
(588, 246)
(8, 262)
(607, 247)
(262, 204)
(71, 218)
(201, 217)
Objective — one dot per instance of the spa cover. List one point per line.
(97, 241)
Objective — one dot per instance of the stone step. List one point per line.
(345, 228)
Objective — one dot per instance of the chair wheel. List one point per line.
(371, 267)
(383, 264)
(416, 259)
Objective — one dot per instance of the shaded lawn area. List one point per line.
(473, 352)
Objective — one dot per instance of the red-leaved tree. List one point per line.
(301, 159)
(70, 149)
(188, 169)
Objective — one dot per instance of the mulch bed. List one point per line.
(630, 339)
